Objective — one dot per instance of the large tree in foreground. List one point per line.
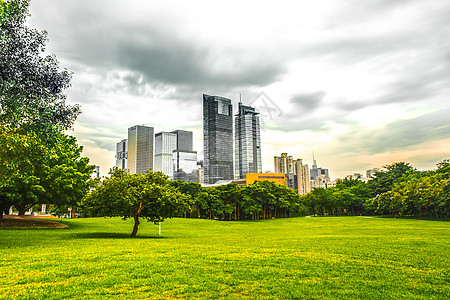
(38, 162)
(31, 84)
(126, 195)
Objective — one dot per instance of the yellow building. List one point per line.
(277, 178)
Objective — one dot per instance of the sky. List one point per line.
(361, 84)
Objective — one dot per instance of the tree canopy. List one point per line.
(31, 84)
(126, 195)
(38, 162)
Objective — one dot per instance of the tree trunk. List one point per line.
(136, 219)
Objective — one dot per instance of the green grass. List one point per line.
(298, 258)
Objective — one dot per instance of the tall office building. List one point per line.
(140, 148)
(184, 158)
(296, 172)
(217, 139)
(165, 144)
(318, 172)
(247, 142)
(302, 174)
(121, 154)
(284, 164)
(184, 139)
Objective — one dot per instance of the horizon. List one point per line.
(362, 85)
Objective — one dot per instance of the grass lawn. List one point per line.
(298, 258)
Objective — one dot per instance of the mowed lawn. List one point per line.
(298, 258)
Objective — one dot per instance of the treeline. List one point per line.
(400, 190)
(260, 200)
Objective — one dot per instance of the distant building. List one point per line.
(247, 142)
(165, 144)
(277, 178)
(357, 176)
(284, 164)
(140, 149)
(370, 173)
(121, 154)
(184, 140)
(184, 162)
(185, 165)
(96, 173)
(217, 139)
(322, 182)
(297, 174)
(303, 178)
(316, 172)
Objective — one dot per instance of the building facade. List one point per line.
(277, 178)
(165, 144)
(302, 173)
(121, 154)
(284, 164)
(217, 139)
(247, 142)
(316, 172)
(140, 149)
(297, 173)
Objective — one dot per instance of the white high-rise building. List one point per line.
(165, 144)
(247, 142)
(140, 149)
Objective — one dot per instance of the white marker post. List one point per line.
(159, 228)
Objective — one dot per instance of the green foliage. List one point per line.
(38, 162)
(31, 85)
(294, 258)
(136, 195)
(35, 173)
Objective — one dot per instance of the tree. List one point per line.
(38, 163)
(136, 195)
(384, 181)
(35, 173)
(31, 85)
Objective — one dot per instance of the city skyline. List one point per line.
(359, 84)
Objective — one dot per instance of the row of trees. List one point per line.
(39, 163)
(400, 190)
(153, 197)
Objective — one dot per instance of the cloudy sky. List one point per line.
(360, 83)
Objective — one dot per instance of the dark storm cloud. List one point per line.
(180, 62)
(156, 49)
(400, 134)
(307, 102)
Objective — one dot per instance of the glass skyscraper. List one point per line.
(165, 144)
(140, 148)
(217, 138)
(247, 142)
(121, 154)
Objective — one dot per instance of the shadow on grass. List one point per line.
(114, 235)
(415, 218)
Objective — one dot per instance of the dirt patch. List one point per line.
(27, 222)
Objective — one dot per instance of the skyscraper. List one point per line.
(184, 158)
(165, 144)
(284, 164)
(296, 172)
(247, 142)
(217, 138)
(317, 172)
(302, 174)
(140, 148)
(121, 154)
(184, 139)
